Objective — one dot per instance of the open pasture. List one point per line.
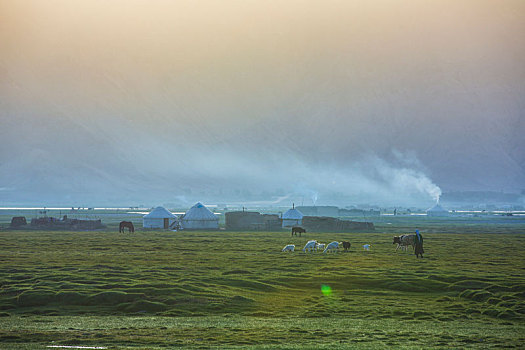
(205, 289)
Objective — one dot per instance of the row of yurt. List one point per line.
(197, 217)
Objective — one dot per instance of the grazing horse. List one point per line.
(126, 224)
(298, 229)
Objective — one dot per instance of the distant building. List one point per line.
(51, 223)
(159, 217)
(292, 217)
(437, 210)
(199, 217)
(18, 221)
(251, 220)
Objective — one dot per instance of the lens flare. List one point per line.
(326, 290)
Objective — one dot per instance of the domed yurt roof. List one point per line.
(293, 214)
(159, 213)
(199, 212)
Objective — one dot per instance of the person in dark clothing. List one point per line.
(419, 245)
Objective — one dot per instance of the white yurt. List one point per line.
(292, 217)
(437, 210)
(199, 217)
(159, 217)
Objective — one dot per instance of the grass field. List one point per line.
(209, 289)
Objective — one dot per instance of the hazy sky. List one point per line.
(341, 101)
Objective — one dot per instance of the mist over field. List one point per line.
(388, 102)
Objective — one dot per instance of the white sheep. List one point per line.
(366, 247)
(333, 247)
(310, 245)
(289, 248)
(319, 246)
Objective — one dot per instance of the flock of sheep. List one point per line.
(314, 246)
(403, 242)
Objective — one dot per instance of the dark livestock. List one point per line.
(297, 229)
(126, 224)
(404, 241)
(346, 245)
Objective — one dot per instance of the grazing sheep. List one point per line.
(366, 247)
(346, 245)
(319, 246)
(310, 245)
(289, 248)
(332, 247)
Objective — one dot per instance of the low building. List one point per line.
(17, 221)
(51, 223)
(252, 221)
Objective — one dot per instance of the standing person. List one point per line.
(419, 245)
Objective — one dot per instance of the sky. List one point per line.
(387, 102)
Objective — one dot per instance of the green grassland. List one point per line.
(238, 290)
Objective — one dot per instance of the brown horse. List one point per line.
(126, 224)
(298, 229)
